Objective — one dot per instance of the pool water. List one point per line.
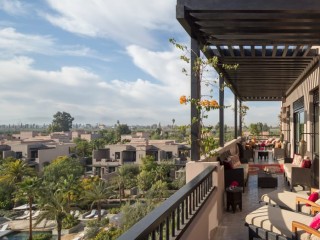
(22, 235)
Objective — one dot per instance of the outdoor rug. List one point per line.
(276, 168)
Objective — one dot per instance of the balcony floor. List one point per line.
(232, 226)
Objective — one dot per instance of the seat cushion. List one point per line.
(285, 199)
(307, 236)
(276, 220)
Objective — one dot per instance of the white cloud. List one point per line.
(13, 42)
(13, 7)
(122, 20)
(84, 93)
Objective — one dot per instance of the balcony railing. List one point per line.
(171, 219)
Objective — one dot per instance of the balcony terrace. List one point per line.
(276, 44)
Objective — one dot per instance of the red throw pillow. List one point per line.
(306, 163)
(315, 223)
(313, 197)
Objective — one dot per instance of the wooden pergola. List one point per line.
(274, 42)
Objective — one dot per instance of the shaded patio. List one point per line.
(275, 44)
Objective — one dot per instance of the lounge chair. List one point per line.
(268, 222)
(92, 213)
(289, 200)
(36, 214)
(76, 214)
(4, 227)
(25, 215)
(103, 212)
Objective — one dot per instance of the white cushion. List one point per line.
(276, 220)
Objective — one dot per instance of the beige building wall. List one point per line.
(303, 90)
(207, 220)
(29, 134)
(48, 155)
(24, 148)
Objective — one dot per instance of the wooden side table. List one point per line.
(234, 198)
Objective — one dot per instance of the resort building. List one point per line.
(275, 43)
(112, 156)
(38, 153)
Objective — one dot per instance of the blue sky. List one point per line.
(101, 61)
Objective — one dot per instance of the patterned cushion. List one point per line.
(297, 159)
(235, 161)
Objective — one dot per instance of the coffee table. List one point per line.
(267, 180)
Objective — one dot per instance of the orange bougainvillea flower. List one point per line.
(205, 103)
(183, 100)
(214, 103)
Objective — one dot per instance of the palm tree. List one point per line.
(28, 189)
(121, 179)
(53, 206)
(98, 193)
(70, 186)
(13, 172)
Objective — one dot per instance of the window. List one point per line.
(169, 155)
(18, 155)
(117, 154)
(316, 122)
(298, 118)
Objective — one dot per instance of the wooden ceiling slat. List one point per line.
(296, 51)
(231, 50)
(261, 36)
(306, 51)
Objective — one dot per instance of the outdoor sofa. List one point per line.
(274, 223)
(295, 174)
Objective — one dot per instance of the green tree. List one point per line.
(109, 136)
(122, 129)
(126, 178)
(53, 205)
(133, 213)
(162, 171)
(83, 147)
(148, 164)
(158, 191)
(254, 129)
(145, 180)
(98, 193)
(97, 143)
(70, 186)
(62, 121)
(13, 172)
(28, 190)
(61, 168)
